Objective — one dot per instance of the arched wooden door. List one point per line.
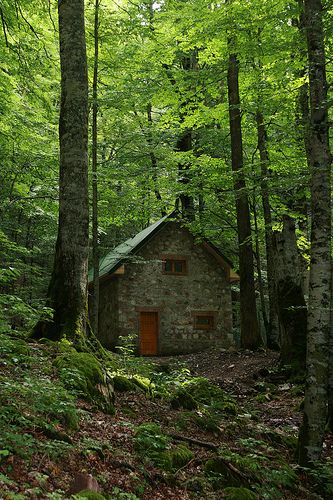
(148, 333)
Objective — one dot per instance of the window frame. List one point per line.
(204, 314)
(173, 259)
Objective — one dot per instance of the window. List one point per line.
(204, 321)
(174, 266)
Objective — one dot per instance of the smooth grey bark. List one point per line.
(95, 243)
(291, 304)
(67, 292)
(259, 268)
(273, 332)
(312, 431)
(250, 335)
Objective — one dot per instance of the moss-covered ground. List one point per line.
(207, 426)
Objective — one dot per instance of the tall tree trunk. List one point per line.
(315, 406)
(330, 363)
(67, 293)
(95, 245)
(273, 327)
(250, 335)
(290, 299)
(258, 261)
(184, 144)
(153, 159)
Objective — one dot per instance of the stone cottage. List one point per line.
(170, 291)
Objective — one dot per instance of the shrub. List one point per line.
(239, 494)
(183, 399)
(150, 442)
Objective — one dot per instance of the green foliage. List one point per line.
(207, 422)
(14, 351)
(219, 474)
(204, 391)
(90, 495)
(183, 399)
(322, 475)
(119, 494)
(240, 494)
(150, 442)
(88, 446)
(198, 391)
(266, 481)
(29, 399)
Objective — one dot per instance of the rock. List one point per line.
(123, 384)
(177, 457)
(196, 483)
(83, 482)
(263, 372)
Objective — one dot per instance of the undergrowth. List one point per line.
(40, 417)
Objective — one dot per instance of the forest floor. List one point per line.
(238, 442)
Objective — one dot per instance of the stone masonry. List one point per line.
(176, 298)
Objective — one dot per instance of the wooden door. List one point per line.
(148, 333)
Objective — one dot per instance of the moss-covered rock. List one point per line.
(204, 391)
(233, 493)
(123, 384)
(225, 407)
(207, 422)
(177, 457)
(183, 399)
(217, 466)
(197, 484)
(142, 383)
(220, 474)
(79, 370)
(82, 373)
(200, 392)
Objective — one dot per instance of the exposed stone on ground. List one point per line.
(83, 482)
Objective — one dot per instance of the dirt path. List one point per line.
(233, 371)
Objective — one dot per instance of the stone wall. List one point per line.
(176, 298)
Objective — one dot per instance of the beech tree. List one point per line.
(250, 335)
(316, 393)
(95, 243)
(67, 292)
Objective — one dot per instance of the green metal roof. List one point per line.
(115, 258)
